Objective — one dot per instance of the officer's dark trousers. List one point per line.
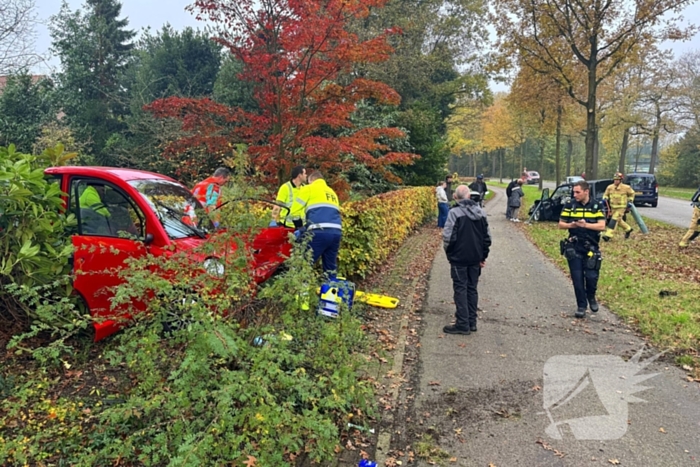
(325, 244)
(585, 281)
(464, 282)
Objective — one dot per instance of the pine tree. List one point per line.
(95, 49)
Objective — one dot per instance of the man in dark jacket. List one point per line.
(467, 240)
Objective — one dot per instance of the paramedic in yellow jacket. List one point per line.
(289, 195)
(618, 195)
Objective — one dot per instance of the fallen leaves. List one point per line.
(547, 447)
(614, 461)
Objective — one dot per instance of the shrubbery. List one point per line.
(34, 248)
(375, 227)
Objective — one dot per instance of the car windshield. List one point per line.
(640, 182)
(180, 213)
(562, 193)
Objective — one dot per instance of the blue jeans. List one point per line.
(464, 282)
(585, 281)
(325, 244)
(443, 209)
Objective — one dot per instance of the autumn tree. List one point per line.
(599, 34)
(298, 55)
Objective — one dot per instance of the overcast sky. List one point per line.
(156, 13)
(141, 14)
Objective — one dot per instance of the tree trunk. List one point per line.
(493, 162)
(636, 157)
(591, 128)
(500, 172)
(557, 150)
(655, 141)
(596, 150)
(542, 144)
(569, 153)
(623, 150)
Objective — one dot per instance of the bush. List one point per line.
(376, 227)
(32, 232)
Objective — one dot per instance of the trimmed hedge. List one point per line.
(376, 227)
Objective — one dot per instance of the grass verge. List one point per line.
(678, 193)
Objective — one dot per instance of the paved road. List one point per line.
(483, 397)
(670, 210)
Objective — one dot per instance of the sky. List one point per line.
(141, 14)
(156, 13)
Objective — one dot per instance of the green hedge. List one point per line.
(376, 227)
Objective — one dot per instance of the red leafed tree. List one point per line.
(300, 57)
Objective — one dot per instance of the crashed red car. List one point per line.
(125, 213)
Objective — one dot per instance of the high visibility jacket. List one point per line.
(289, 195)
(90, 198)
(321, 206)
(591, 212)
(619, 195)
(208, 192)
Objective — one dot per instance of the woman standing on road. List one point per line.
(443, 206)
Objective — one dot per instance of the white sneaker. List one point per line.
(516, 220)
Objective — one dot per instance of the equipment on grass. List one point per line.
(373, 299)
(638, 218)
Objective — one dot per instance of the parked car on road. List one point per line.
(645, 187)
(123, 214)
(533, 177)
(550, 206)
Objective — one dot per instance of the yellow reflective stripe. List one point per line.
(581, 213)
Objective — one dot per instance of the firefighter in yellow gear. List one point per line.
(618, 196)
(694, 228)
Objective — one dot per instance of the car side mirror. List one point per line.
(149, 239)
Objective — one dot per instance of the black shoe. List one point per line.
(627, 234)
(593, 304)
(454, 329)
(580, 313)
(472, 327)
(607, 239)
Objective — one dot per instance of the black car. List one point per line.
(550, 206)
(645, 188)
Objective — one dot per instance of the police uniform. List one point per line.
(582, 253)
(618, 196)
(288, 194)
(323, 222)
(694, 228)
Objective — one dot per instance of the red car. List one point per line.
(126, 213)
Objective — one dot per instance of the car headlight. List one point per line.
(214, 267)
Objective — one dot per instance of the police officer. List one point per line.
(584, 219)
(288, 194)
(694, 228)
(618, 195)
(323, 223)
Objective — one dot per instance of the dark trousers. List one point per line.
(325, 244)
(443, 210)
(464, 282)
(585, 281)
(509, 211)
